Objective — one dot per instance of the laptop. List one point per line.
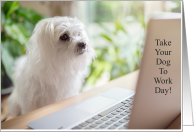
(157, 99)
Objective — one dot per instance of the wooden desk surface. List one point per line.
(128, 81)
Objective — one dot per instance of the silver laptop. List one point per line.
(157, 100)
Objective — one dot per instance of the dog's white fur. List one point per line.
(52, 70)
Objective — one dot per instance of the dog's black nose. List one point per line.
(82, 45)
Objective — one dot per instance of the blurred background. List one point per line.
(116, 30)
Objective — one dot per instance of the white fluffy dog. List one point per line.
(57, 57)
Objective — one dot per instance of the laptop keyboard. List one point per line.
(115, 117)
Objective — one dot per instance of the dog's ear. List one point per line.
(45, 31)
(43, 37)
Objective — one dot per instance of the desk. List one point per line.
(128, 81)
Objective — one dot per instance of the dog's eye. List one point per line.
(64, 37)
(79, 34)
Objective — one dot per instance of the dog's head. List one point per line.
(62, 39)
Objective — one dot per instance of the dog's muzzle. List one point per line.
(81, 48)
